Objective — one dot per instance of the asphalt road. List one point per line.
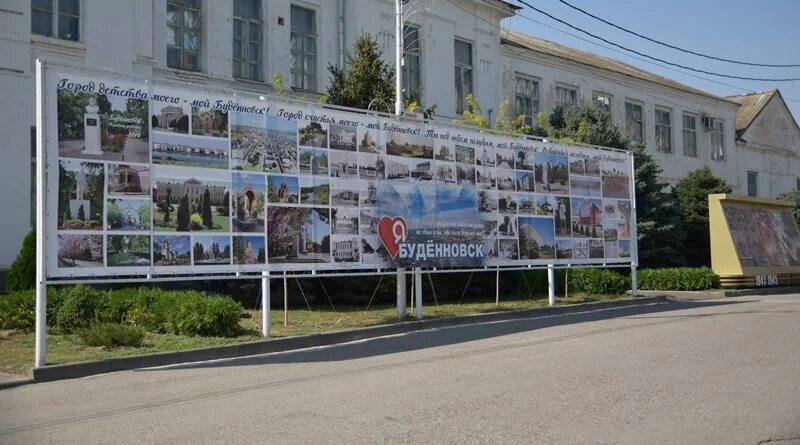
(722, 371)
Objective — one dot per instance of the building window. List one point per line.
(247, 39)
(411, 69)
(718, 141)
(634, 121)
(463, 58)
(663, 130)
(56, 18)
(527, 99)
(602, 100)
(184, 27)
(752, 183)
(303, 44)
(689, 135)
(566, 97)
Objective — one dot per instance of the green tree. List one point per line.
(183, 218)
(168, 206)
(502, 123)
(691, 194)
(144, 216)
(207, 217)
(794, 198)
(238, 250)
(22, 274)
(113, 214)
(198, 251)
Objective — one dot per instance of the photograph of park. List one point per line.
(80, 195)
(342, 137)
(172, 118)
(536, 238)
(552, 175)
(211, 250)
(190, 151)
(465, 154)
(563, 249)
(587, 218)
(127, 250)
(190, 199)
(315, 190)
(283, 189)
(249, 201)
(125, 179)
(298, 235)
(313, 134)
(616, 184)
(369, 140)
(249, 250)
(371, 167)
(80, 250)
(128, 214)
(209, 122)
(408, 145)
(171, 250)
(102, 127)
(263, 143)
(583, 186)
(314, 161)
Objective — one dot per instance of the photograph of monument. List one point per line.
(368, 193)
(545, 205)
(525, 181)
(524, 160)
(465, 174)
(485, 178)
(314, 161)
(298, 235)
(211, 250)
(507, 202)
(342, 137)
(125, 179)
(170, 117)
(171, 250)
(209, 122)
(249, 202)
(80, 250)
(127, 250)
(249, 250)
(507, 226)
(263, 143)
(128, 214)
(102, 127)
(762, 236)
(563, 217)
(283, 189)
(485, 157)
(80, 195)
(191, 199)
(190, 151)
(369, 140)
(552, 175)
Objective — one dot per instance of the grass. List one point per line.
(17, 349)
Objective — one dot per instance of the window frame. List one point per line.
(180, 28)
(55, 14)
(633, 103)
(244, 59)
(663, 129)
(300, 36)
(718, 132)
(752, 189)
(609, 97)
(686, 130)
(461, 102)
(408, 53)
(533, 98)
(571, 89)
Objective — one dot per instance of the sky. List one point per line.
(750, 31)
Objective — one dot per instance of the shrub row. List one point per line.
(112, 334)
(73, 309)
(598, 281)
(681, 278)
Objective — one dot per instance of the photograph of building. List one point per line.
(125, 179)
(345, 249)
(507, 202)
(248, 250)
(446, 172)
(282, 189)
(584, 186)
(170, 117)
(587, 218)
(485, 177)
(191, 199)
(527, 203)
(445, 151)
(369, 140)
(209, 122)
(486, 157)
(371, 167)
(344, 192)
(421, 169)
(344, 220)
(396, 169)
(344, 164)
(128, 214)
(190, 151)
(536, 238)
(171, 250)
(342, 137)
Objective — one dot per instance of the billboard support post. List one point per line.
(398, 110)
(41, 209)
(265, 304)
(285, 302)
(497, 287)
(634, 283)
(401, 293)
(551, 285)
(418, 291)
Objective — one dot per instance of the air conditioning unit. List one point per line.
(708, 122)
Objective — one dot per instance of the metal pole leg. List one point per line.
(634, 282)
(265, 304)
(401, 293)
(418, 291)
(551, 285)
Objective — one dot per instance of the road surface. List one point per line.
(721, 371)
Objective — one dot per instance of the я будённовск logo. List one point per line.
(392, 231)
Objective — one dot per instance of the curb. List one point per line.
(14, 383)
(781, 290)
(85, 369)
(721, 293)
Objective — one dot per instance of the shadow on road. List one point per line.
(435, 337)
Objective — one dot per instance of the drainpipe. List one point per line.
(341, 34)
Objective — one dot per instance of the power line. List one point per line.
(760, 79)
(769, 65)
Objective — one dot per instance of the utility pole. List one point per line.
(398, 110)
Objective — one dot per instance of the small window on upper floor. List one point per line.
(184, 34)
(663, 130)
(527, 99)
(718, 140)
(603, 100)
(303, 46)
(56, 18)
(634, 121)
(411, 60)
(566, 96)
(752, 183)
(248, 39)
(689, 135)
(463, 73)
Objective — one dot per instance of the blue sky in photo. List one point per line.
(249, 120)
(189, 141)
(281, 125)
(255, 180)
(543, 226)
(179, 243)
(543, 158)
(290, 181)
(206, 241)
(258, 242)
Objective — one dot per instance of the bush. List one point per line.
(197, 314)
(112, 334)
(598, 281)
(22, 274)
(80, 307)
(681, 278)
(18, 310)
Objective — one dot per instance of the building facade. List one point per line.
(454, 49)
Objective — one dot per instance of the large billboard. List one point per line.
(165, 179)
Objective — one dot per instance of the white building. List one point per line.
(240, 44)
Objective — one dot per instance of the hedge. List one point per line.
(112, 334)
(598, 281)
(680, 278)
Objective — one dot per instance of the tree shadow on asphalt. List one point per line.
(435, 337)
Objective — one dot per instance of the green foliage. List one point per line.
(277, 84)
(368, 80)
(183, 217)
(585, 123)
(502, 123)
(22, 274)
(80, 308)
(794, 198)
(207, 217)
(18, 310)
(197, 314)
(112, 335)
(680, 278)
(598, 281)
(691, 195)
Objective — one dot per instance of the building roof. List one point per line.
(750, 105)
(552, 49)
